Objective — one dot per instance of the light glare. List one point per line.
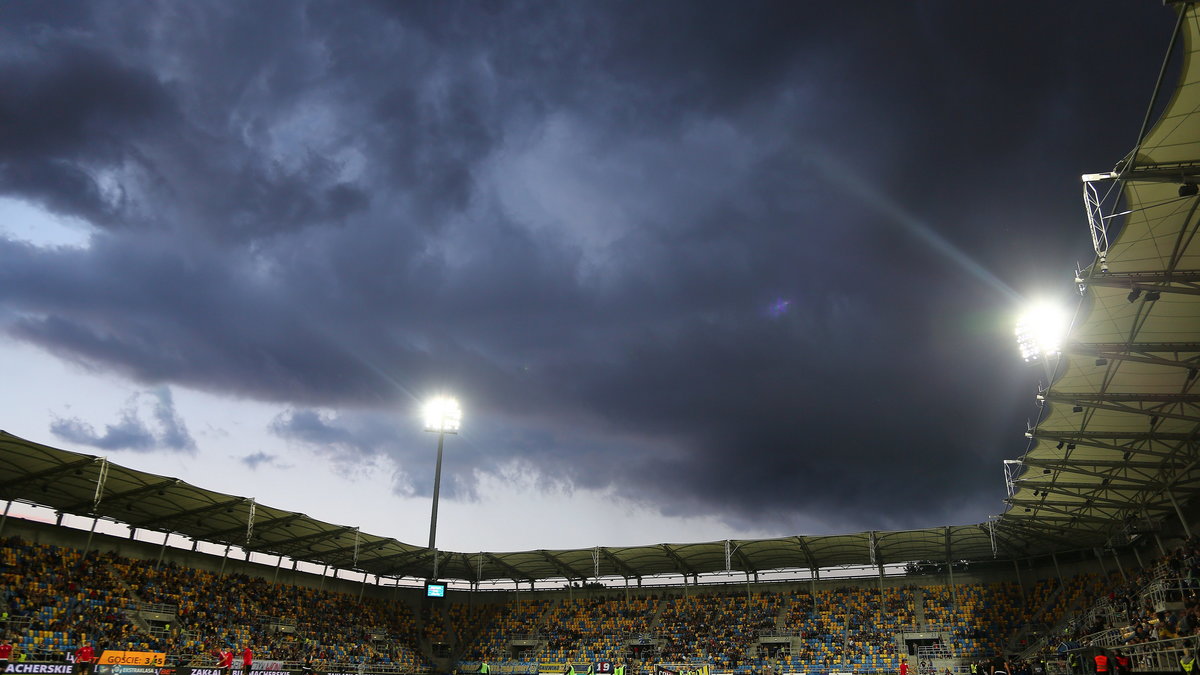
(1041, 331)
(442, 415)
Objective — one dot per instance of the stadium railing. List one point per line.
(153, 607)
(205, 660)
(1160, 655)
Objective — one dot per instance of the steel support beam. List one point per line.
(337, 532)
(1148, 412)
(49, 473)
(1083, 350)
(156, 523)
(1136, 347)
(1082, 436)
(679, 563)
(516, 573)
(258, 526)
(116, 497)
(1129, 279)
(625, 570)
(1065, 464)
(567, 571)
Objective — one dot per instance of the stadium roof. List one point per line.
(1115, 450)
(1113, 455)
(81, 484)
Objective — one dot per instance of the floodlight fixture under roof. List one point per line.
(1041, 331)
(442, 415)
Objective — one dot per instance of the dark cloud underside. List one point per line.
(626, 233)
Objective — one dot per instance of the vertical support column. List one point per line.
(478, 579)
(1138, 556)
(223, 559)
(1100, 559)
(1120, 568)
(101, 478)
(950, 567)
(882, 602)
(278, 564)
(1151, 523)
(4, 518)
(1020, 584)
(88, 546)
(1179, 512)
(1057, 571)
(162, 550)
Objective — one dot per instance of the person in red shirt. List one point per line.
(247, 659)
(1124, 664)
(224, 660)
(5, 654)
(903, 666)
(84, 656)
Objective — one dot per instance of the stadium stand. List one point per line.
(56, 598)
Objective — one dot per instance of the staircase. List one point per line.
(919, 608)
(656, 620)
(132, 614)
(785, 606)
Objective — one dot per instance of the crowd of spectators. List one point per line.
(59, 597)
(56, 599)
(717, 629)
(1158, 602)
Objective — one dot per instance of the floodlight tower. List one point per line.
(442, 416)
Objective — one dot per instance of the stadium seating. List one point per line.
(55, 614)
(56, 599)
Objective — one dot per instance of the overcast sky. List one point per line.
(695, 270)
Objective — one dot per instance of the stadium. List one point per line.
(1094, 560)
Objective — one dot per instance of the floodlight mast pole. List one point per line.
(442, 415)
(437, 484)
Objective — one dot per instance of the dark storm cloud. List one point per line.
(66, 112)
(611, 228)
(167, 432)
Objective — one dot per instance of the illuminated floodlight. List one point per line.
(442, 415)
(1041, 331)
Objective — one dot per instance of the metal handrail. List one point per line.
(156, 607)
